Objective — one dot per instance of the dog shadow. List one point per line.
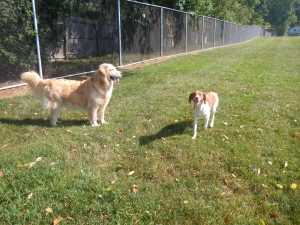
(41, 122)
(167, 131)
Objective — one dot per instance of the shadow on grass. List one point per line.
(41, 122)
(169, 130)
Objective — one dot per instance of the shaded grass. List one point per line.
(228, 175)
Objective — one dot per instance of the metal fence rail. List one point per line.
(126, 32)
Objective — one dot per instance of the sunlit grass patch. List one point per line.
(143, 166)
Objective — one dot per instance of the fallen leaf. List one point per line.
(286, 164)
(293, 186)
(130, 173)
(32, 164)
(3, 146)
(136, 222)
(109, 188)
(162, 138)
(262, 222)
(120, 166)
(57, 220)
(69, 218)
(225, 182)
(103, 217)
(225, 137)
(30, 196)
(265, 186)
(49, 210)
(258, 171)
(119, 131)
(135, 188)
(279, 186)
(39, 159)
(1, 174)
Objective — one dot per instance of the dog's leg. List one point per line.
(92, 113)
(213, 111)
(101, 111)
(195, 127)
(206, 119)
(212, 120)
(54, 110)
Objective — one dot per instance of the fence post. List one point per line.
(223, 32)
(186, 31)
(161, 31)
(230, 33)
(214, 42)
(119, 31)
(202, 44)
(37, 39)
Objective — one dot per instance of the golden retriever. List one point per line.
(91, 95)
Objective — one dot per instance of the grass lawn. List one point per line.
(143, 167)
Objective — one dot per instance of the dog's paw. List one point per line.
(104, 122)
(95, 125)
(194, 137)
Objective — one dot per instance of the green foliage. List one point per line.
(278, 14)
(228, 175)
(281, 15)
(17, 35)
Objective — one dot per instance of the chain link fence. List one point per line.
(82, 34)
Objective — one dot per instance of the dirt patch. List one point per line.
(16, 91)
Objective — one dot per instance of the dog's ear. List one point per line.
(103, 69)
(191, 97)
(205, 98)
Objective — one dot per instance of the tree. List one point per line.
(17, 51)
(281, 15)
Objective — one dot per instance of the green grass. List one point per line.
(228, 175)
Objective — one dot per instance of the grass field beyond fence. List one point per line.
(143, 166)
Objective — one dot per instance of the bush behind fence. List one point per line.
(90, 36)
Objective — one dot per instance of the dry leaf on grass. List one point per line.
(225, 182)
(39, 159)
(279, 186)
(49, 210)
(293, 186)
(119, 131)
(1, 174)
(57, 220)
(30, 196)
(32, 164)
(135, 188)
(130, 173)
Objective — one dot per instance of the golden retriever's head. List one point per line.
(107, 73)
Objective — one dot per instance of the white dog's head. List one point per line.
(198, 97)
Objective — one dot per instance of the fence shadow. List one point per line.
(41, 122)
(167, 131)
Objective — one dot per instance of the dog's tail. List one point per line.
(33, 80)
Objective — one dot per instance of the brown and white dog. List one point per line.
(91, 95)
(204, 104)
